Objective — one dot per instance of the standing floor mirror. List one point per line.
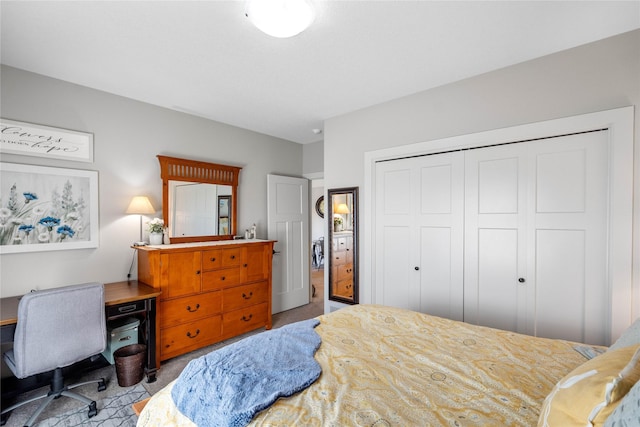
(342, 214)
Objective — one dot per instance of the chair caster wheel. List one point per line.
(93, 411)
(102, 386)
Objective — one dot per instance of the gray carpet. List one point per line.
(113, 411)
(114, 408)
(114, 404)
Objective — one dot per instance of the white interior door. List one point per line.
(288, 224)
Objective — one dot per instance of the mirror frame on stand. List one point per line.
(343, 245)
(176, 169)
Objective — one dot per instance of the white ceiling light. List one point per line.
(280, 18)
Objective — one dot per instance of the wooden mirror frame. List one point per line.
(336, 276)
(176, 169)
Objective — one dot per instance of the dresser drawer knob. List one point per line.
(193, 336)
(213, 259)
(222, 278)
(247, 297)
(194, 310)
(245, 265)
(246, 319)
(233, 257)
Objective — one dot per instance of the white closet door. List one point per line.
(495, 236)
(419, 234)
(535, 237)
(568, 238)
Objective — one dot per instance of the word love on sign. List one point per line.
(43, 141)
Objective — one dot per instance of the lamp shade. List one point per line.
(280, 18)
(342, 208)
(140, 205)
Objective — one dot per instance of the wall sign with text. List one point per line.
(29, 139)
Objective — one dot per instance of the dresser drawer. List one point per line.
(247, 319)
(190, 336)
(339, 258)
(344, 288)
(188, 309)
(218, 279)
(221, 258)
(344, 271)
(124, 309)
(244, 296)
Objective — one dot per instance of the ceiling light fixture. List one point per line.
(280, 18)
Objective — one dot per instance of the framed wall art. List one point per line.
(44, 208)
(320, 206)
(29, 139)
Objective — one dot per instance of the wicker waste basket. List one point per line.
(130, 364)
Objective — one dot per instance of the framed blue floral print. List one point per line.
(46, 208)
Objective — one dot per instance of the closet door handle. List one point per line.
(416, 268)
(521, 280)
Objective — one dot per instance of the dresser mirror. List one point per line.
(342, 214)
(198, 199)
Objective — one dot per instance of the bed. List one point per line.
(383, 366)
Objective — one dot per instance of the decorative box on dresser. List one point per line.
(211, 291)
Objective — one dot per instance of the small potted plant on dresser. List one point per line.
(156, 230)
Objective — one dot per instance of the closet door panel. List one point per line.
(569, 220)
(400, 288)
(498, 186)
(435, 189)
(495, 237)
(560, 283)
(439, 234)
(393, 231)
(560, 182)
(497, 284)
(435, 271)
(419, 235)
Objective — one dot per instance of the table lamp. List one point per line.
(140, 205)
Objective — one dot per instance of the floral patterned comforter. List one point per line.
(388, 366)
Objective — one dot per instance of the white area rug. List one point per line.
(113, 411)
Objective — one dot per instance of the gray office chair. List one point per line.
(56, 328)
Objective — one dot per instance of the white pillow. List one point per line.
(630, 336)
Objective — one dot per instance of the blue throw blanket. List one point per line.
(227, 387)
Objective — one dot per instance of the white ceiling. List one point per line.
(205, 57)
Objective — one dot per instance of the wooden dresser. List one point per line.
(211, 291)
(342, 264)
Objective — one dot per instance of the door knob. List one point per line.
(521, 280)
(416, 268)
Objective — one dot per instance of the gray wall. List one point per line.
(313, 158)
(127, 137)
(590, 78)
